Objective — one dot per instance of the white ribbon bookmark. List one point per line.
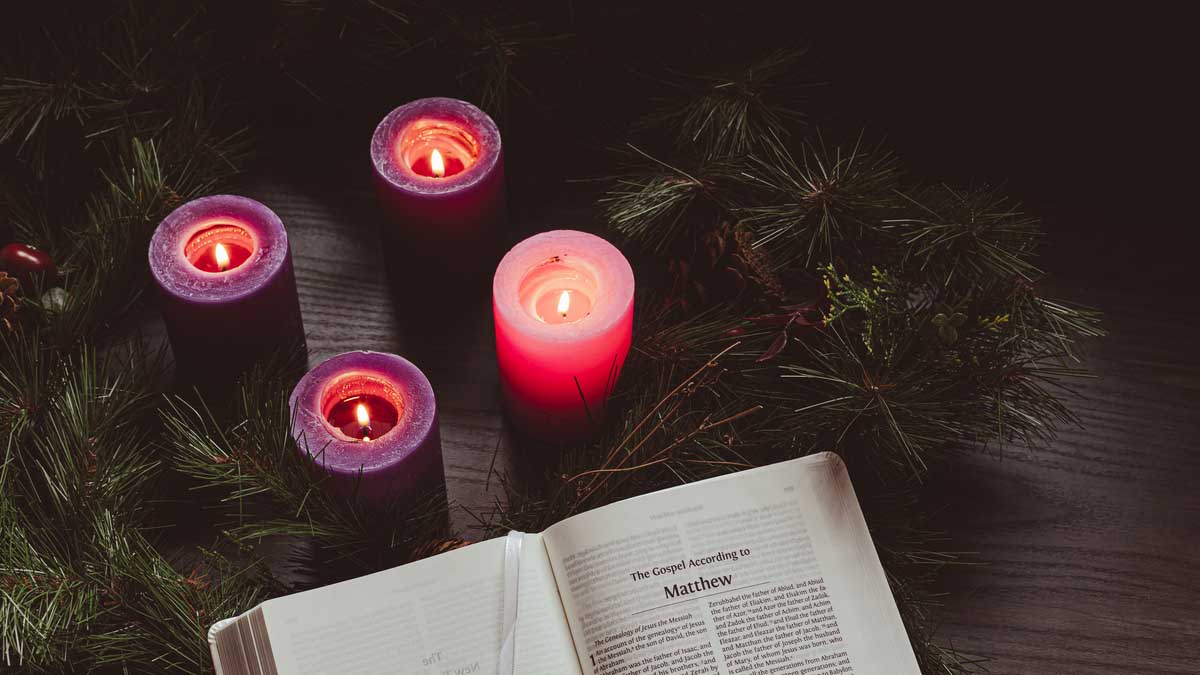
(512, 578)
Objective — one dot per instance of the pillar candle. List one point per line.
(563, 308)
(369, 420)
(224, 269)
(439, 168)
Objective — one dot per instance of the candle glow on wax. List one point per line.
(369, 420)
(563, 308)
(433, 149)
(220, 246)
(364, 416)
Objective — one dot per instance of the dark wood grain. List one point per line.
(1090, 544)
(347, 305)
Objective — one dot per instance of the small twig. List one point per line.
(583, 398)
(713, 462)
(712, 362)
(704, 426)
(664, 454)
(492, 466)
(617, 469)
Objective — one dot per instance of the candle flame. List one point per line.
(364, 421)
(437, 164)
(564, 303)
(222, 257)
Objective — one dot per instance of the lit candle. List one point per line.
(563, 307)
(224, 269)
(439, 171)
(370, 421)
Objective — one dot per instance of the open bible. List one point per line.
(769, 570)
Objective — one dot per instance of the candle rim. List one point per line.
(478, 123)
(175, 273)
(614, 297)
(348, 457)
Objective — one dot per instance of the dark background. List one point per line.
(1084, 112)
(1081, 112)
(1090, 544)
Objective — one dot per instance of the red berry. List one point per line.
(26, 263)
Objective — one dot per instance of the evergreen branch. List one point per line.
(247, 458)
(82, 585)
(43, 604)
(978, 236)
(495, 47)
(659, 205)
(930, 335)
(27, 107)
(811, 207)
(88, 451)
(481, 49)
(1053, 325)
(160, 617)
(652, 210)
(77, 83)
(723, 116)
(25, 385)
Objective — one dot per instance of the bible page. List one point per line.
(769, 570)
(439, 615)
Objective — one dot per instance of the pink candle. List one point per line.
(563, 307)
(370, 421)
(439, 168)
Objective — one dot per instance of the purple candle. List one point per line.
(370, 421)
(224, 268)
(439, 171)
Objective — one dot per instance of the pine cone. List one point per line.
(723, 265)
(755, 265)
(10, 302)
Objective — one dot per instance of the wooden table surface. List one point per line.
(1089, 546)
